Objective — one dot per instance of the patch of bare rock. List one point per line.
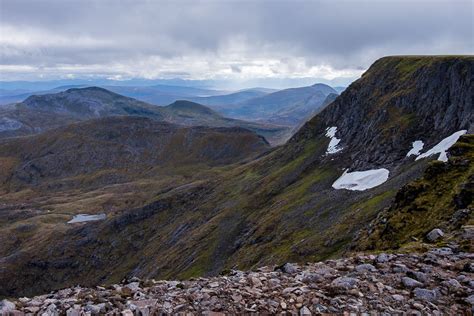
(438, 282)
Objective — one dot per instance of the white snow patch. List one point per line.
(443, 146)
(417, 146)
(332, 147)
(86, 218)
(361, 180)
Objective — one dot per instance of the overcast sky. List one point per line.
(223, 39)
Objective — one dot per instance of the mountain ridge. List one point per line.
(79, 104)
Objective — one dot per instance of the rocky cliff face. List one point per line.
(397, 101)
(441, 200)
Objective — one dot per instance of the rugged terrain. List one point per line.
(118, 149)
(443, 195)
(280, 207)
(439, 282)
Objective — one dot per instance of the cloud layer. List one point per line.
(223, 39)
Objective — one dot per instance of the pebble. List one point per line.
(435, 235)
(410, 283)
(425, 294)
(365, 268)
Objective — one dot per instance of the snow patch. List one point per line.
(443, 146)
(361, 180)
(86, 218)
(417, 146)
(332, 147)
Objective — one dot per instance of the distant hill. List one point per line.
(156, 94)
(184, 107)
(163, 94)
(340, 89)
(42, 112)
(288, 106)
(120, 148)
(232, 98)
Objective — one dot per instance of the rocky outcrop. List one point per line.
(435, 283)
(397, 101)
(436, 207)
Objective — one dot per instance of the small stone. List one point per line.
(418, 306)
(400, 268)
(469, 267)
(145, 303)
(420, 276)
(51, 310)
(345, 283)
(304, 311)
(73, 312)
(256, 282)
(289, 268)
(274, 282)
(32, 309)
(470, 300)
(367, 267)
(127, 312)
(94, 309)
(398, 297)
(435, 235)
(283, 305)
(410, 283)
(6, 306)
(453, 284)
(133, 286)
(425, 294)
(214, 284)
(382, 258)
(320, 308)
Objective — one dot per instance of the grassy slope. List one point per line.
(427, 203)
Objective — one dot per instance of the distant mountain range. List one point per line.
(287, 107)
(157, 94)
(42, 112)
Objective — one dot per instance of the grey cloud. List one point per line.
(343, 34)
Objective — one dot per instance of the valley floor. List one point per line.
(438, 282)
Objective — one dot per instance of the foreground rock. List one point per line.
(437, 282)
